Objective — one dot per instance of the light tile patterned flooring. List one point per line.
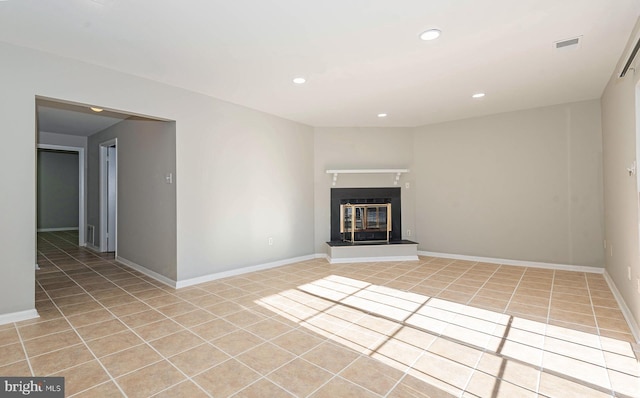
(428, 328)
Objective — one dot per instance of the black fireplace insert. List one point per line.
(366, 215)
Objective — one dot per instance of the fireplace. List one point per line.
(365, 215)
(362, 220)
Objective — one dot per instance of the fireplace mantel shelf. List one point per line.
(397, 172)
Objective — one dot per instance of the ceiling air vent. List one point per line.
(567, 43)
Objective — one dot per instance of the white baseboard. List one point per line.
(159, 277)
(240, 271)
(631, 321)
(370, 259)
(92, 247)
(517, 263)
(210, 277)
(18, 316)
(57, 229)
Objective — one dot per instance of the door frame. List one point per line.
(82, 223)
(104, 195)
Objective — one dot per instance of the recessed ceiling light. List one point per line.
(299, 80)
(477, 95)
(430, 34)
(93, 108)
(382, 115)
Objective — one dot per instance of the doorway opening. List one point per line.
(43, 225)
(109, 196)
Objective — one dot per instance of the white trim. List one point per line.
(58, 229)
(367, 171)
(370, 259)
(518, 263)
(628, 316)
(240, 271)
(82, 223)
(159, 277)
(397, 172)
(18, 316)
(104, 199)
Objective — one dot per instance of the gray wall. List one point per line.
(241, 175)
(247, 176)
(523, 185)
(58, 190)
(146, 211)
(620, 105)
(18, 172)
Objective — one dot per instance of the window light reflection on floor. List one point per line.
(454, 346)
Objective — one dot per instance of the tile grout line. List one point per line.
(114, 315)
(484, 284)
(485, 349)
(86, 346)
(544, 336)
(24, 349)
(145, 342)
(239, 327)
(601, 350)
(273, 317)
(295, 356)
(76, 331)
(474, 368)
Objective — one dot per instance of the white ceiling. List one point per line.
(360, 57)
(62, 118)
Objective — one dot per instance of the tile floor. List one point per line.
(428, 328)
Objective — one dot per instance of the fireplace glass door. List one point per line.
(365, 222)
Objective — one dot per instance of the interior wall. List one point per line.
(523, 185)
(249, 177)
(242, 176)
(58, 190)
(18, 204)
(361, 148)
(620, 108)
(146, 209)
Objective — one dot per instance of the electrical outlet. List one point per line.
(629, 273)
(407, 185)
(408, 232)
(270, 241)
